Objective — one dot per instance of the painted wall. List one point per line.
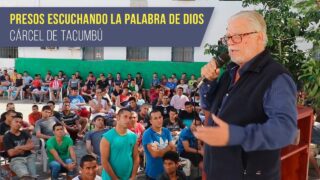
(62, 52)
(7, 63)
(70, 66)
(216, 28)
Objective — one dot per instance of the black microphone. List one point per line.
(220, 61)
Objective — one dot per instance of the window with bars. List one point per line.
(182, 54)
(137, 53)
(92, 53)
(9, 52)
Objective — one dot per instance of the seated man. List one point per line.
(55, 88)
(133, 106)
(179, 99)
(37, 92)
(100, 106)
(73, 83)
(61, 154)
(35, 115)
(70, 121)
(87, 93)
(5, 84)
(5, 125)
(15, 90)
(9, 106)
(43, 127)
(164, 106)
(94, 137)
(88, 168)
(174, 124)
(27, 79)
(143, 116)
(123, 99)
(188, 114)
(19, 145)
(171, 165)
(78, 105)
(54, 113)
(189, 147)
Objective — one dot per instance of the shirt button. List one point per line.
(208, 85)
(227, 94)
(205, 95)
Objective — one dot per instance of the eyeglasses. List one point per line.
(236, 39)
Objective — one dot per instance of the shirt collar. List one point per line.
(252, 65)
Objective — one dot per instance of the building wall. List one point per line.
(70, 66)
(7, 63)
(216, 28)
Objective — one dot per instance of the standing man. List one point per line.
(94, 137)
(156, 142)
(252, 106)
(119, 150)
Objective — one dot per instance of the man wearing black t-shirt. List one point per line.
(188, 114)
(165, 107)
(102, 83)
(5, 126)
(52, 104)
(19, 145)
(174, 124)
(10, 106)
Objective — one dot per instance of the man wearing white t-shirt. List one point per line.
(178, 100)
(88, 168)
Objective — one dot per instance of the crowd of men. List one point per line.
(120, 121)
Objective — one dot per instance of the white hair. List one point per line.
(256, 21)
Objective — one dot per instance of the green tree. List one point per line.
(286, 21)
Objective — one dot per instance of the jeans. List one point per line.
(24, 166)
(56, 168)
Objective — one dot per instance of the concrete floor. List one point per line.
(25, 107)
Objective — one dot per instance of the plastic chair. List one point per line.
(60, 95)
(10, 94)
(44, 155)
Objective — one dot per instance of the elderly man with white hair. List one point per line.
(252, 106)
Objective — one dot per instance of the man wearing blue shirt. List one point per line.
(156, 142)
(188, 146)
(252, 106)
